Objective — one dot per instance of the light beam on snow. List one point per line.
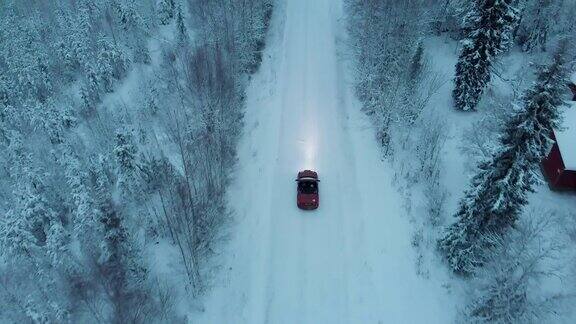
(310, 150)
(310, 140)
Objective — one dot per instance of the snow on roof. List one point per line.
(566, 138)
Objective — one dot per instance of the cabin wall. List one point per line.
(572, 87)
(553, 166)
(566, 181)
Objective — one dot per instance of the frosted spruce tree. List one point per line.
(134, 28)
(498, 191)
(165, 11)
(126, 154)
(84, 215)
(123, 275)
(417, 63)
(490, 25)
(181, 29)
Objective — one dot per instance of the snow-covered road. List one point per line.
(351, 260)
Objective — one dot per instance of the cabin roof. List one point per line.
(566, 138)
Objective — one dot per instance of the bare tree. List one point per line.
(507, 289)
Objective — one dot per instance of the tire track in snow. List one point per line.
(280, 248)
(350, 260)
(362, 282)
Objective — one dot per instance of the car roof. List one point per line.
(308, 174)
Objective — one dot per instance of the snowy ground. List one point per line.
(351, 260)
(458, 168)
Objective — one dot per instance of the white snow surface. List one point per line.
(350, 261)
(566, 138)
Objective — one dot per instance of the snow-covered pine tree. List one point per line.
(250, 30)
(114, 262)
(416, 66)
(4, 90)
(85, 215)
(111, 64)
(90, 91)
(122, 272)
(125, 152)
(165, 11)
(414, 75)
(181, 29)
(498, 191)
(128, 15)
(152, 104)
(490, 25)
(51, 120)
(74, 44)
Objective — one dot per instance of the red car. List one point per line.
(307, 197)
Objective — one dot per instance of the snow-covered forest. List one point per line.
(119, 121)
(148, 151)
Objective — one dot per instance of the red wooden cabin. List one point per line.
(559, 167)
(572, 87)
